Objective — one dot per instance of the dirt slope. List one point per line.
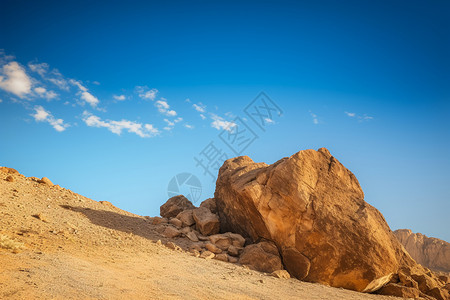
(56, 244)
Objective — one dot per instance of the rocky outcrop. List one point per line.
(430, 252)
(313, 208)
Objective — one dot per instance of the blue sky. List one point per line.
(114, 99)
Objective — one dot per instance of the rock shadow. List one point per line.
(112, 220)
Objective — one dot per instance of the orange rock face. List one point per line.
(311, 203)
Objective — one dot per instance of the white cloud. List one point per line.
(164, 108)
(202, 116)
(349, 114)
(41, 115)
(142, 130)
(84, 94)
(187, 100)
(189, 126)
(1, 100)
(43, 93)
(78, 84)
(119, 97)
(146, 94)
(13, 79)
(199, 107)
(219, 123)
(269, 121)
(89, 98)
(96, 82)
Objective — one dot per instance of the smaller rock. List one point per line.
(41, 217)
(437, 293)
(185, 230)
(263, 257)
(9, 170)
(174, 206)
(393, 289)
(9, 178)
(195, 252)
(405, 280)
(46, 181)
(176, 222)
(222, 257)
(206, 222)
(207, 255)
(201, 237)
(444, 278)
(210, 204)
(173, 246)
(232, 259)
(233, 250)
(192, 236)
(171, 232)
(225, 240)
(159, 220)
(221, 240)
(186, 218)
(283, 274)
(196, 246)
(213, 248)
(426, 283)
(296, 263)
(158, 242)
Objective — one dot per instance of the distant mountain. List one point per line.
(430, 252)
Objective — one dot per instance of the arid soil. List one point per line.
(55, 244)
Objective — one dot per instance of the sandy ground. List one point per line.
(77, 248)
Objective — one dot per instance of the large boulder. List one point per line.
(174, 206)
(430, 252)
(312, 204)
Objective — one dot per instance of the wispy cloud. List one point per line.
(142, 130)
(42, 115)
(119, 97)
(360, 118)
(53, 75)
(188, 126)
(199, 107)
(171, 124)
(314, 117)
(15, 80)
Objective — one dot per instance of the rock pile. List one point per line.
(311, 210)
(305, 217)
